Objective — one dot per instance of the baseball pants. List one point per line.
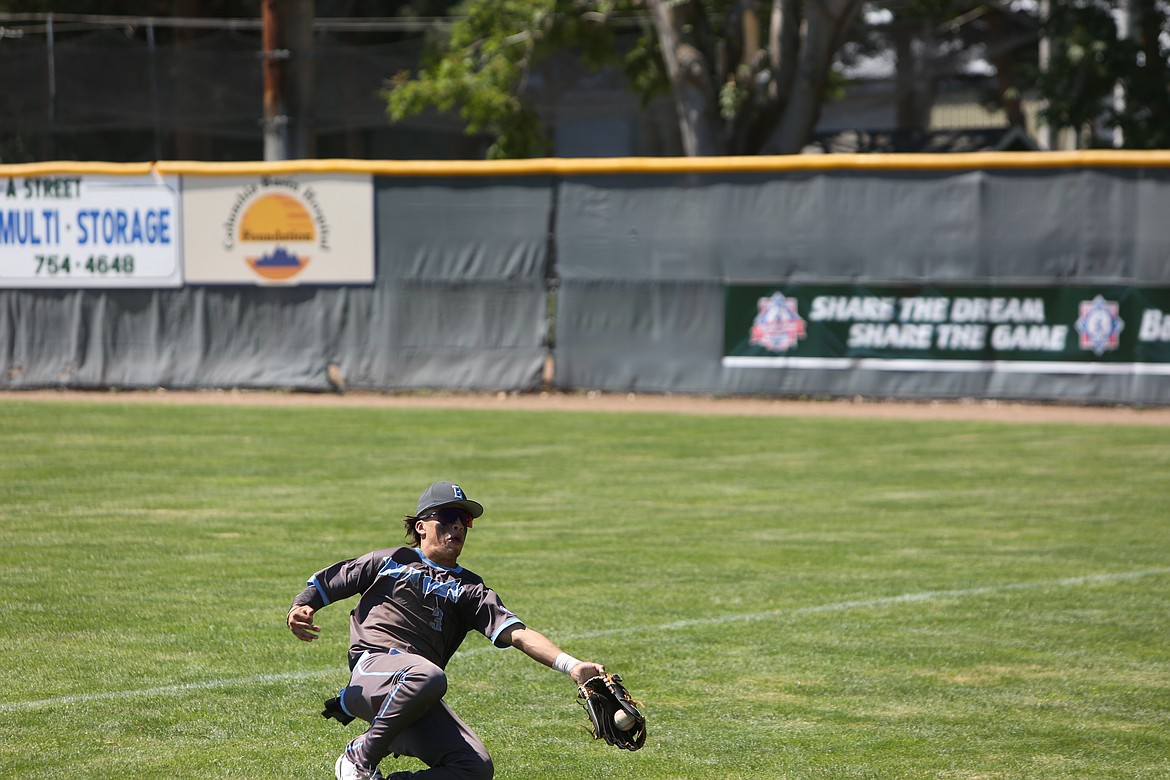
(401, 696)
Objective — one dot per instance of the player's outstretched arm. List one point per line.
(541, 649)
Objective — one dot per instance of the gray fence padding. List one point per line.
(460, 302)
(643, 260)
(637, 265)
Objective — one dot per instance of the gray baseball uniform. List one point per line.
(411, 618)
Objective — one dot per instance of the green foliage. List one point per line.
(732, 96)
(481, 65)
(644, 69)
(1083, 65)
(1088, 61)
(480, 68)
(1145, 78)
(477, 69)
(791, 598)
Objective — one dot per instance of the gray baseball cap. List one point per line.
(442, 494)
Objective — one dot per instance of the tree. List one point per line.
(1101, 77)
(1144, 120)
(1106, 76)
(743, 77)
(937, 42)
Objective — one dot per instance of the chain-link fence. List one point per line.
(137, 89)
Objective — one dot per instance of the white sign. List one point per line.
(74, 230)
(285, 229)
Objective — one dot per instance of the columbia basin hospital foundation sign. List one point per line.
(1034, 330)
(279, 229)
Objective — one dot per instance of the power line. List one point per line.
(38, 22)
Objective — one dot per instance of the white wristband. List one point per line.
(565, 663)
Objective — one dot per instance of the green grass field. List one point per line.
(791, 597)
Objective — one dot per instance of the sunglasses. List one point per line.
(449, 516)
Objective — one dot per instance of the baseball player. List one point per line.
(416, 605)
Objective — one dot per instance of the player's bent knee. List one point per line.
(472, 766)
(432, 682)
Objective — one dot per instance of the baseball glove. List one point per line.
(333, 710)
(604, 698)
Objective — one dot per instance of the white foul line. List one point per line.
(840, 606)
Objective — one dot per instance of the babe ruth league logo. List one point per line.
(1099, 325)
(777, 327)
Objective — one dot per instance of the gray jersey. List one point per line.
(412, 604)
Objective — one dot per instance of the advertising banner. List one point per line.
(79, 231)
(1033, 330)
(288, 229)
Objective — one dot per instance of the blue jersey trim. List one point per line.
(313, 581)
(500, 630)
(341, 700)
(429, 562)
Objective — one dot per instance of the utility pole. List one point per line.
(289, 94)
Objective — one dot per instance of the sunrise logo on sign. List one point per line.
(277, 221)
(282, 230)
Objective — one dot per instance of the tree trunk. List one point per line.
(689, 73)
(784, 47)
(1001, 57)
(904, 75)
(915, 49)
(825, 24)
(803, 39)
(755, 128)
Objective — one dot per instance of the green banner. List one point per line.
(1060, 328)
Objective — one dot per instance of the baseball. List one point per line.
(623, 720)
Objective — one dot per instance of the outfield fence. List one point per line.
(1026, 276)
